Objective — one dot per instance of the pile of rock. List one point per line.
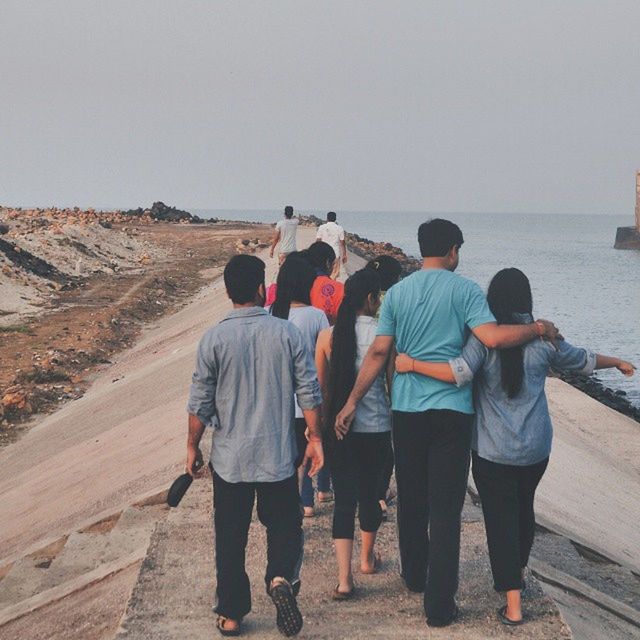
(161, 212)
(250, 246)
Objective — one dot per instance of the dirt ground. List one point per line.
(51, 358)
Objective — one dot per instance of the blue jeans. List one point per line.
(324, 475)
(323, 481)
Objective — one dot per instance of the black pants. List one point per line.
(357, 464)
(432, 466)
(279, 511)
(387, 472)
(507, 493)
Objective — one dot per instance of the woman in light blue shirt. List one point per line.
(512, 434)
(357, 459)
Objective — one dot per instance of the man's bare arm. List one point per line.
(196, 429)
(503, 336)
(374, 363)
(274, 242)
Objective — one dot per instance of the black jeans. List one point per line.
(432, 466)
(387, 472)
(357, 464)
(507, 493)
(279, 511)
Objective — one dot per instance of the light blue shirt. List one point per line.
(429, 314)
(515, 431)
(373, 414)
(248, 368)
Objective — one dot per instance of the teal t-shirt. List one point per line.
(430, 314)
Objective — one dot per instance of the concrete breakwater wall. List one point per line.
(367, 249)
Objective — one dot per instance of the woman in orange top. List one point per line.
(326, 294)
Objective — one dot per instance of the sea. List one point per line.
(589, 289)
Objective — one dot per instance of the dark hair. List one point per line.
(321, 255)
(242, 277)
(295, 280)
(344, 345)
(509, 294)
(288, 211)
(388, 269)
(437, 236)
(331, 216)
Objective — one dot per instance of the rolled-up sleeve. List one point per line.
(305, 377)
(575, 359)
(469, 363)
(202, 393)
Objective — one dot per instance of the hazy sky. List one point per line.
(439, 106)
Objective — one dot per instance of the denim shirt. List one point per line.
(373, 414)
(515, 431)
(249, 369)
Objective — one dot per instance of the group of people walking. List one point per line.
(328, 376)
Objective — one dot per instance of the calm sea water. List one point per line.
(590, 290)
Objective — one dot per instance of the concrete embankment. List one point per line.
(125, 439)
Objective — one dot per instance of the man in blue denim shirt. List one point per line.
(429, 316)
(249, 370)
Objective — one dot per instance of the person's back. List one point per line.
(430, 314)
(288, 229)
(374, 411)
(245, 338)
(331, 233)
(516, 430)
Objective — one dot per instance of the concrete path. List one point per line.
(175, 591)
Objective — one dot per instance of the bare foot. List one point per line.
(227, 624)
(371, 564)
(309, 512)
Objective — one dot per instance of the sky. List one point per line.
(478, 106)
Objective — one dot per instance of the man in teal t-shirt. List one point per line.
(428, 316)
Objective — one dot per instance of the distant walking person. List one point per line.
(358, 456)
(333, 234)
(428, 315)
(250, 368)
(285, 234)
(512, 432)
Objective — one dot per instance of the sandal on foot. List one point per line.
(289, 618)
(343, 595)
(229, 633)
(308, 512)
(377, 562)
(502, 616)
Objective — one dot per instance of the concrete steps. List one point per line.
(83, 554)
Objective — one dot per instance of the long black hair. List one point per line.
(509, 294)
(294, 283)
(344, 345)
(322, 256)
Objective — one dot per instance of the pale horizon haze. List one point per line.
(502, 106)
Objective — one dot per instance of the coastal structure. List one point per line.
(629, 237)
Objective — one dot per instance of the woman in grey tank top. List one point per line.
(358, 458)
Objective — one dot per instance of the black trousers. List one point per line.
(279, 511)
(432, 466)
(357, 463)
(387, 472)
(507, 493)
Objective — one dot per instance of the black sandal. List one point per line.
(289, 618)
(340, 596)
(502, 616)
(228, 633)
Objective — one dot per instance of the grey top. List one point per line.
(515, 431)
(311, 322)
(248, 368)
(373, 414)
(287, 229)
